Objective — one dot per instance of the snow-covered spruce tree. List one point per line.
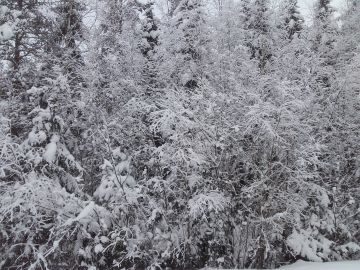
(42, 208)
(287, 24)
(293, 56)
(23, 28)
(184, 45)
(70, 31)
(323, 39)
(292, 19)
(48, 127)
(148, 45)
(349, 36)
(58, 81)
(24, 31)
(258, 32)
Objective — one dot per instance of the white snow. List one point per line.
(50, 152)
(304, 244)
(104, 239)
(302, 265)
(143, 1)
(36, 137)
(35, 90)
(6, 32)
(86, 211)
(83, 214)
(98, 248)
(128, 180)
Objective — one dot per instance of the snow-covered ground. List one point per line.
(301, 265)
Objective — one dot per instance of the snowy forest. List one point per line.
(178, 134)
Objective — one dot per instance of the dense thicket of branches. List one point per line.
(146, 135)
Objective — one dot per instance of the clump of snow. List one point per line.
(129, 181)
(36, 137)
(104, 239)
(143, 1)
(349, 247)
(35, 90)
(43, 115)
(3, 10)
(85, 213)
(193, 180)
(50, 151)
(304, 243)
(98, 248)
(6, 32)
(117, 153)
(6, 29)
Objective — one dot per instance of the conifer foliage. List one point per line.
(179, 134)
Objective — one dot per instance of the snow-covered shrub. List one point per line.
(44, 226)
